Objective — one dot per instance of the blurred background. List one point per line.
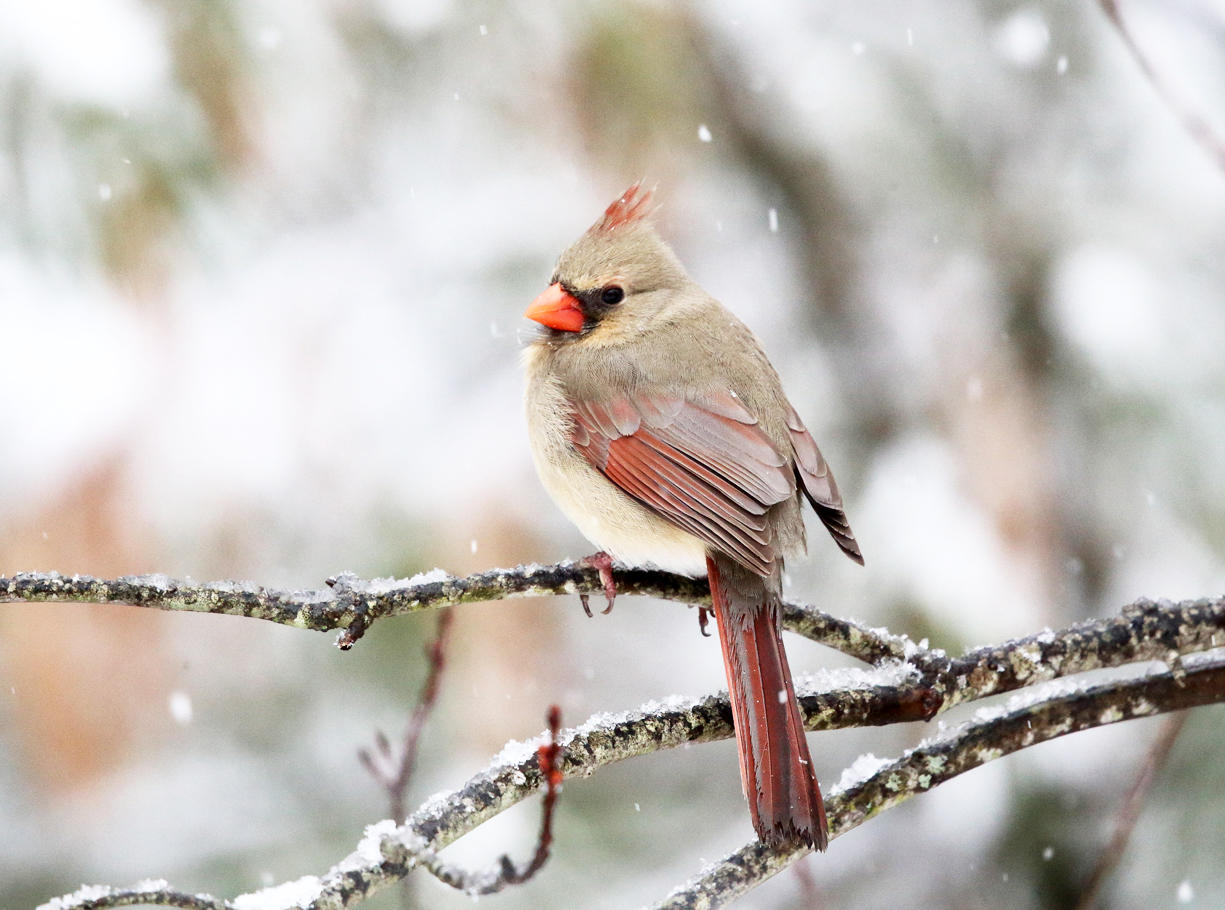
(262, 266)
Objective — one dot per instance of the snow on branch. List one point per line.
(906, 682)
(155, 893)
(350, 604)
(993, 734)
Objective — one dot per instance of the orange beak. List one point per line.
(557, 309)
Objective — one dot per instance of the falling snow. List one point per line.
(180, 707)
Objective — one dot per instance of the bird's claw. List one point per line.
(703, 617)
(602, 563)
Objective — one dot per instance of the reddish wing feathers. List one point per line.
(703, 465)
(818, 485)
(706, 466)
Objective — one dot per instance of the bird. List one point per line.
(660, 428)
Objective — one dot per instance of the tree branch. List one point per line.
(156, 893)
(388, 853)
(993, 736)
(350, 604)
(393, 772)
(909, 683)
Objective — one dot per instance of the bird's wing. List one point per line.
(818, 485)
(701, 462)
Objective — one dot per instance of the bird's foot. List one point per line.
(602, 563)
(704, 620)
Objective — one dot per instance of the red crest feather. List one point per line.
(631, 206)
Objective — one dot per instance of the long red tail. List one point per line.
(775, 768)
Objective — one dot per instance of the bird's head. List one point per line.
(614, 280)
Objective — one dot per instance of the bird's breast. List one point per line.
(610, 518)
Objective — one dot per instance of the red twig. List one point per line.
(490, 881)
(550, 769)
(394, 773)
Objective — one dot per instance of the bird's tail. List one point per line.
(775, 768)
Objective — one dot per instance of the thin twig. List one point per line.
(506, 873)
(1200, 131)
(396, 772)
(550, 769)
(1129, 812)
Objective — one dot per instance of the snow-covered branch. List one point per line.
(388, 853)
(1029, 719)
(147, 893)
(349, 604)
(907, 682)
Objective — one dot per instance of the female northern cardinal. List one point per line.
(662, 431)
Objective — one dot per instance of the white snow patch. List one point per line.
(1030, 696)
(297, 893)
(654, 706)
(76, 898)
(426, 578)
(159, 580)
(516, 752)
(388, 585)
(860, 770)
(369, 850)
(825, 679)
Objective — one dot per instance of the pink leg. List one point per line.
(602, 563)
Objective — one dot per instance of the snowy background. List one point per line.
(262, 266)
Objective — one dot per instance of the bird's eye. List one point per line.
(612, 294)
